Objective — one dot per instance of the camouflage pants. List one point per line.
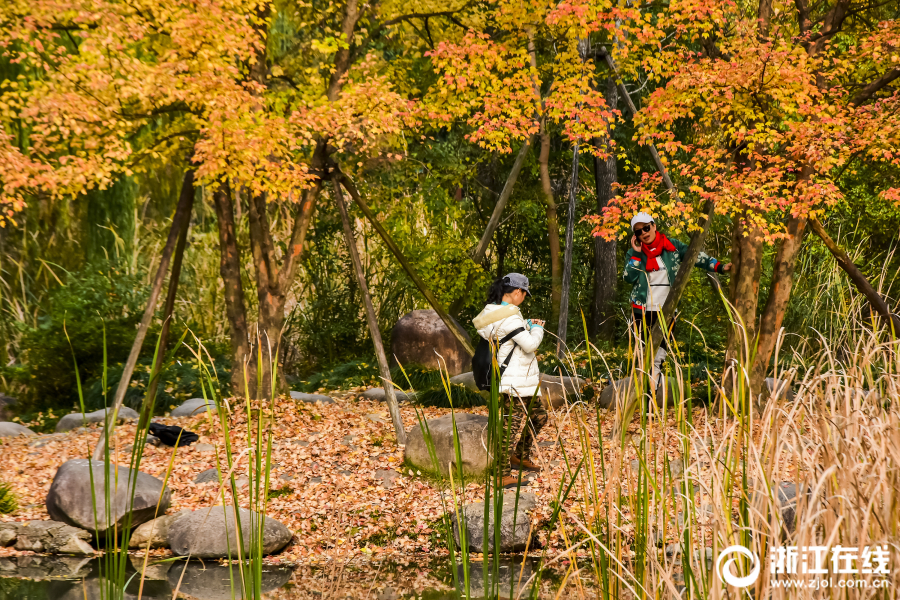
(515, 410)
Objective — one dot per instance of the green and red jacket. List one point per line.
(636, 269)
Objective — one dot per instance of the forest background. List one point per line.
(775, 112)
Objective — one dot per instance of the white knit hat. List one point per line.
(641, 217)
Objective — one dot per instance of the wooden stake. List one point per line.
(370, 317)
(395, 250)
(168, 309)
(179, 221)
(494, 222)
(859, 280)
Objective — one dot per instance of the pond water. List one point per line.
(71, 578)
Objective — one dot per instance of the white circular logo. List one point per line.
(726, 571)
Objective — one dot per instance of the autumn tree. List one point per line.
(261, 102)
(780, 99)
(535, 72)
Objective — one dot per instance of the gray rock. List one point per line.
(386, 477)
(194, 406)
(311, 398)
(10, 429)
(472, 430)
(466, 380)
(779, 389)
(207, 476)
(210, 532)
(74, 420)
(618, 392)
(52, 537)
(70, 501)
(512, 578)
(786, 499)
(36, 567)
(153, 571)
(622, 391)
(8, 534)
(213, 581)
(557, 390)
(203, 448)
(155, 532)
(676, 468)
(418, 338)
(515, 523)
(379, 395)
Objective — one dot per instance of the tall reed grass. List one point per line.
(647, 513)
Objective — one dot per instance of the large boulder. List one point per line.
(75, 420)
(472, 431)
(193, 407)
(214, 581)
(70, 497)
(623, 390)
(557, 390)
(10, 429)
(515, 523)
(212, 533)
(51, 537)
(155, 532)
(418, 338)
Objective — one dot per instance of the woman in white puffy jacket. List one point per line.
(520, 382)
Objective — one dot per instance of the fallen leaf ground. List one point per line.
(324, 462)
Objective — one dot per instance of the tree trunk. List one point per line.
(179, 221)
(552, 227)
(890, 320)
(606, 271)
(271, 297)
(746, 265)
(374, 331)
(779, 294)
(235, 308)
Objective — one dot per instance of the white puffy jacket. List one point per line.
(522, 376)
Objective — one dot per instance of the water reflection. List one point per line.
(64, 578)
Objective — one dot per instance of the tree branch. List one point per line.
(873, 88)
